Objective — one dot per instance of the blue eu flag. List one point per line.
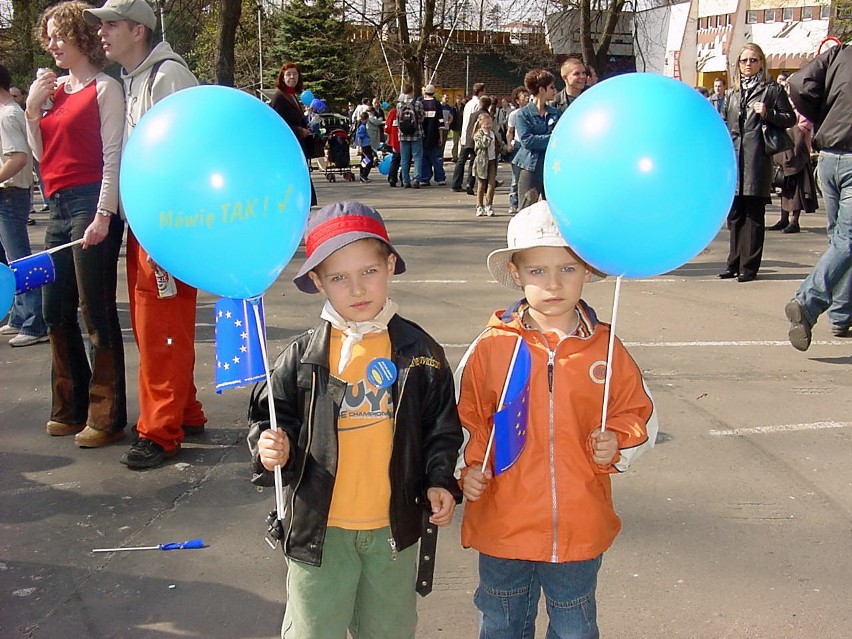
(510, 422)
(239, 356)
(32, 272)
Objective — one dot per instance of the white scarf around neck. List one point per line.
(354, 331)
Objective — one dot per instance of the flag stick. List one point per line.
(615, 299)
(273, 420)
(502, 399)
(59, 248)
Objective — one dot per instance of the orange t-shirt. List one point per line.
(361, 496)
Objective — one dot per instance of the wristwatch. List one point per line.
(104, 213)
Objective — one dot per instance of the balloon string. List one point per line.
(273, 420)
(609, 352)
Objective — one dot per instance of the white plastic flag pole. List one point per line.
(273, 421)
(64, 246)
(610, 348)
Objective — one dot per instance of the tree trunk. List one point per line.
(229, 19)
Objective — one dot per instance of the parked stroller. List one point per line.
(336, 160)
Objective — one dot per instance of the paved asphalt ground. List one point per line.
(737, 525)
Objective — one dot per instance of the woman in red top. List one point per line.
(287, 105)
(75, 125)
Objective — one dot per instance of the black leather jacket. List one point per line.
(426, 440)
(754, 167)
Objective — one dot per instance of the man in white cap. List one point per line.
(432, 161)
(164, 327)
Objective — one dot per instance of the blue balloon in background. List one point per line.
(307, 97)
(318, 105)
(7, 289)
(216, 189)
(385, 104)
(640, 173)
(384, 165)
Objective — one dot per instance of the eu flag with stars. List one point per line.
(510, 422)
(32, 272)
(239, 356)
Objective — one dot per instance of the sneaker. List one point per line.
(799, 333)
(8, 329)
(489, 210)
(512, 210)
(498, 184)
(425, 184)
(31, 222)
(456, 190)
(365, 180)
(146, 454)
(480, 211)
(841, 331)
(92, 438)
(193, 431)
(406, 186)
(792, 227)
(441, 183)
(415, 185)
(469, 190)
(60, 429)
(28, 340)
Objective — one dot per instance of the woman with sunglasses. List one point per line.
(75, 125)
(753, 100)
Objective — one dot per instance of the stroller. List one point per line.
(336, 160)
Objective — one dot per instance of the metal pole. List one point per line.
(467, 75)
(260, 43)
(161, 6)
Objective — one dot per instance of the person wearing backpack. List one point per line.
(409, 118)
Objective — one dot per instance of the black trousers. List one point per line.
(747, 222)
(465, 155)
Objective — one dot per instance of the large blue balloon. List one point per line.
(307, 97)
(215, 188)
(385, 164)
(640, 173)
(7, 289)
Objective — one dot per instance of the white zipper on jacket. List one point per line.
(551, 356)
(307, 449)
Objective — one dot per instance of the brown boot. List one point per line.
(59, 429)
(92, 438)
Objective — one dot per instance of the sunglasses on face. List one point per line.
(749, 60)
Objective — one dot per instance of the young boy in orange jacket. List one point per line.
(545, 518)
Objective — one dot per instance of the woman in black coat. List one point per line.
(754, 99)
(287, 105)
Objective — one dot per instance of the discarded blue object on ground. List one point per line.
(179, 545)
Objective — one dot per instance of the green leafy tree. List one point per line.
(314, 36)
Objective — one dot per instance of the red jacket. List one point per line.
(392, 129)
(554, 504)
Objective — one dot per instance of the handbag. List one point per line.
(775, 139)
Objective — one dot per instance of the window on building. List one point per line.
(729, 19)
(787, 14)
(751, 17)
(824, 12)
(769, 16)
(807, 13)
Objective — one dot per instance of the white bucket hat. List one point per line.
(532, 227)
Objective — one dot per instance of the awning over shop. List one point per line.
(712, 64)
(789, 45)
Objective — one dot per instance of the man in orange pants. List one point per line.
(163, 324)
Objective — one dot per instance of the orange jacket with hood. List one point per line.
(554, 504)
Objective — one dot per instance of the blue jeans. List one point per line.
(827, 287)
(411, 152)
(509, 590)
(433, 158)
(94, 395)
(513, 188)
(14, 211)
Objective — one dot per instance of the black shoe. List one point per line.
(391, 183)
(841, 331)
(425, 184)
(498, 184)
(457, 190)
(469, 191)
(727, 275)
(31, 222)
(778, 226)
(365, 180)
(406, 186)
(792, 227)
(146, 454)
(193, 431)
(415, 185)
(746, 278)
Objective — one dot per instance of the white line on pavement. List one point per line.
(710, 344)
(780, 428)
(39, 488)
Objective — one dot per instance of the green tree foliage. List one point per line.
(314, 36)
